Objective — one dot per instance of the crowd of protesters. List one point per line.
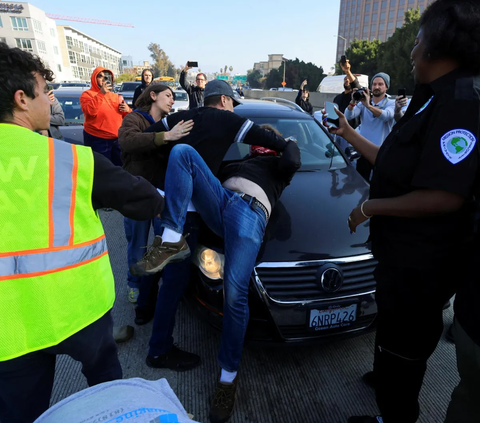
(420, 155)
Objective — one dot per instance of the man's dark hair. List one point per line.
(16, 73)
(202, 74)
(212, 101)
(145, 101)
(450, 29)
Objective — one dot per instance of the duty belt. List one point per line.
(255, 203)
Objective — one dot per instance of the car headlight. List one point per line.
(210, 263)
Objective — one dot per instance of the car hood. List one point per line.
(309, 222)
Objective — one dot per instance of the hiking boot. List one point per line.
(159, 255)
(223, 401)
(175, 359)
(365, 419)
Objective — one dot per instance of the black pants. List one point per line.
(410, 324)
(364, 167)
(26, 382)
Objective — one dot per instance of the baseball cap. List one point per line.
(219, 87)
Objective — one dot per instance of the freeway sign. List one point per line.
(222, 77)
(242, 79)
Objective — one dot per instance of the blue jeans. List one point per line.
(175, 279)
(229, 216)
(109, 148)
(136, 232)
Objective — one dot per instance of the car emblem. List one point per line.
(330, 278)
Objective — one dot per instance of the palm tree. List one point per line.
(226, 67)
(230, 68)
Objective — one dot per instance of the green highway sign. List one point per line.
(222, 77)
(242, 79)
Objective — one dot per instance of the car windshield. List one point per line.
(316, 148)
(129, 86)
(182, 96)
(71, 109)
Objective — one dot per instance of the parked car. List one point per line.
(181, 101)
(313, 280)
(127, 90)
(69, 99)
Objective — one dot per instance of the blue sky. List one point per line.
(214, 33)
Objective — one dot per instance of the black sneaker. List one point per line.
(370, 379)
(159, 255)
(223, 401)
(365, 419)
(143, 315)
(175, 359)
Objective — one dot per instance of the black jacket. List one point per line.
(139, 90)
(195, 94)
(114, 187)
(305, 105)
(273, 174)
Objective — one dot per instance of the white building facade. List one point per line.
(28, 28)
(69, 53)
(82, 53)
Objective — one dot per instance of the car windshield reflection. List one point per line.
(316, 148)
(72, 110)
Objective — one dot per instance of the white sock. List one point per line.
(170, 236)
(227, 377)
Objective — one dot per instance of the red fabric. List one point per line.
(102, 117)
(256, 150)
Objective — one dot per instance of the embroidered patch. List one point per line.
(457, 144)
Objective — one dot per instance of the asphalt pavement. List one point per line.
(317, 384)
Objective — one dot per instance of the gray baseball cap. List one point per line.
(219, 87)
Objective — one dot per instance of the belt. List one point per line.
(254, 203)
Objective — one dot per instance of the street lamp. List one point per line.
(344, 42)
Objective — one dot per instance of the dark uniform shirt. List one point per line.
(434, 146)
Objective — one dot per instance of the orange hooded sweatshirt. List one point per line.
(102, 117)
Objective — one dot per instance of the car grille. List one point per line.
(300, 283)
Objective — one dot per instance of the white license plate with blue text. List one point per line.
(333, 317)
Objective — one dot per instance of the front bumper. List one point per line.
(282, 296)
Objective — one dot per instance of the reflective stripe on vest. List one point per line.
(27, 265)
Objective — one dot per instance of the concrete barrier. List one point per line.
(317, 99)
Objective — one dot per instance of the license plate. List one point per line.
(336, 316)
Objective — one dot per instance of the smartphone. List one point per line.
(108, 78)
(192, 64)
(49, 87)
(332, 117)
(343, 60)
(402, 92)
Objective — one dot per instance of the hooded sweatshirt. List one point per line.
(141, 87)
(102, 117)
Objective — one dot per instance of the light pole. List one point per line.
(344, 42)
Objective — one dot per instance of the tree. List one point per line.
(296, 71)
(125, 77)
(225, 71)
(394, 54)
(230, 68)
(362, 55)
(253, 78)
(274, 79)
(162, 66)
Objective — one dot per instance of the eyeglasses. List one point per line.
(200, 79)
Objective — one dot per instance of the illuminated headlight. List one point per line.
(210, 262)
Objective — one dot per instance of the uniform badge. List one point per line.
(457, 144)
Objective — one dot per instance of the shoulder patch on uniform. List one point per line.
(457, 144)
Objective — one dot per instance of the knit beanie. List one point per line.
(384, 76)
